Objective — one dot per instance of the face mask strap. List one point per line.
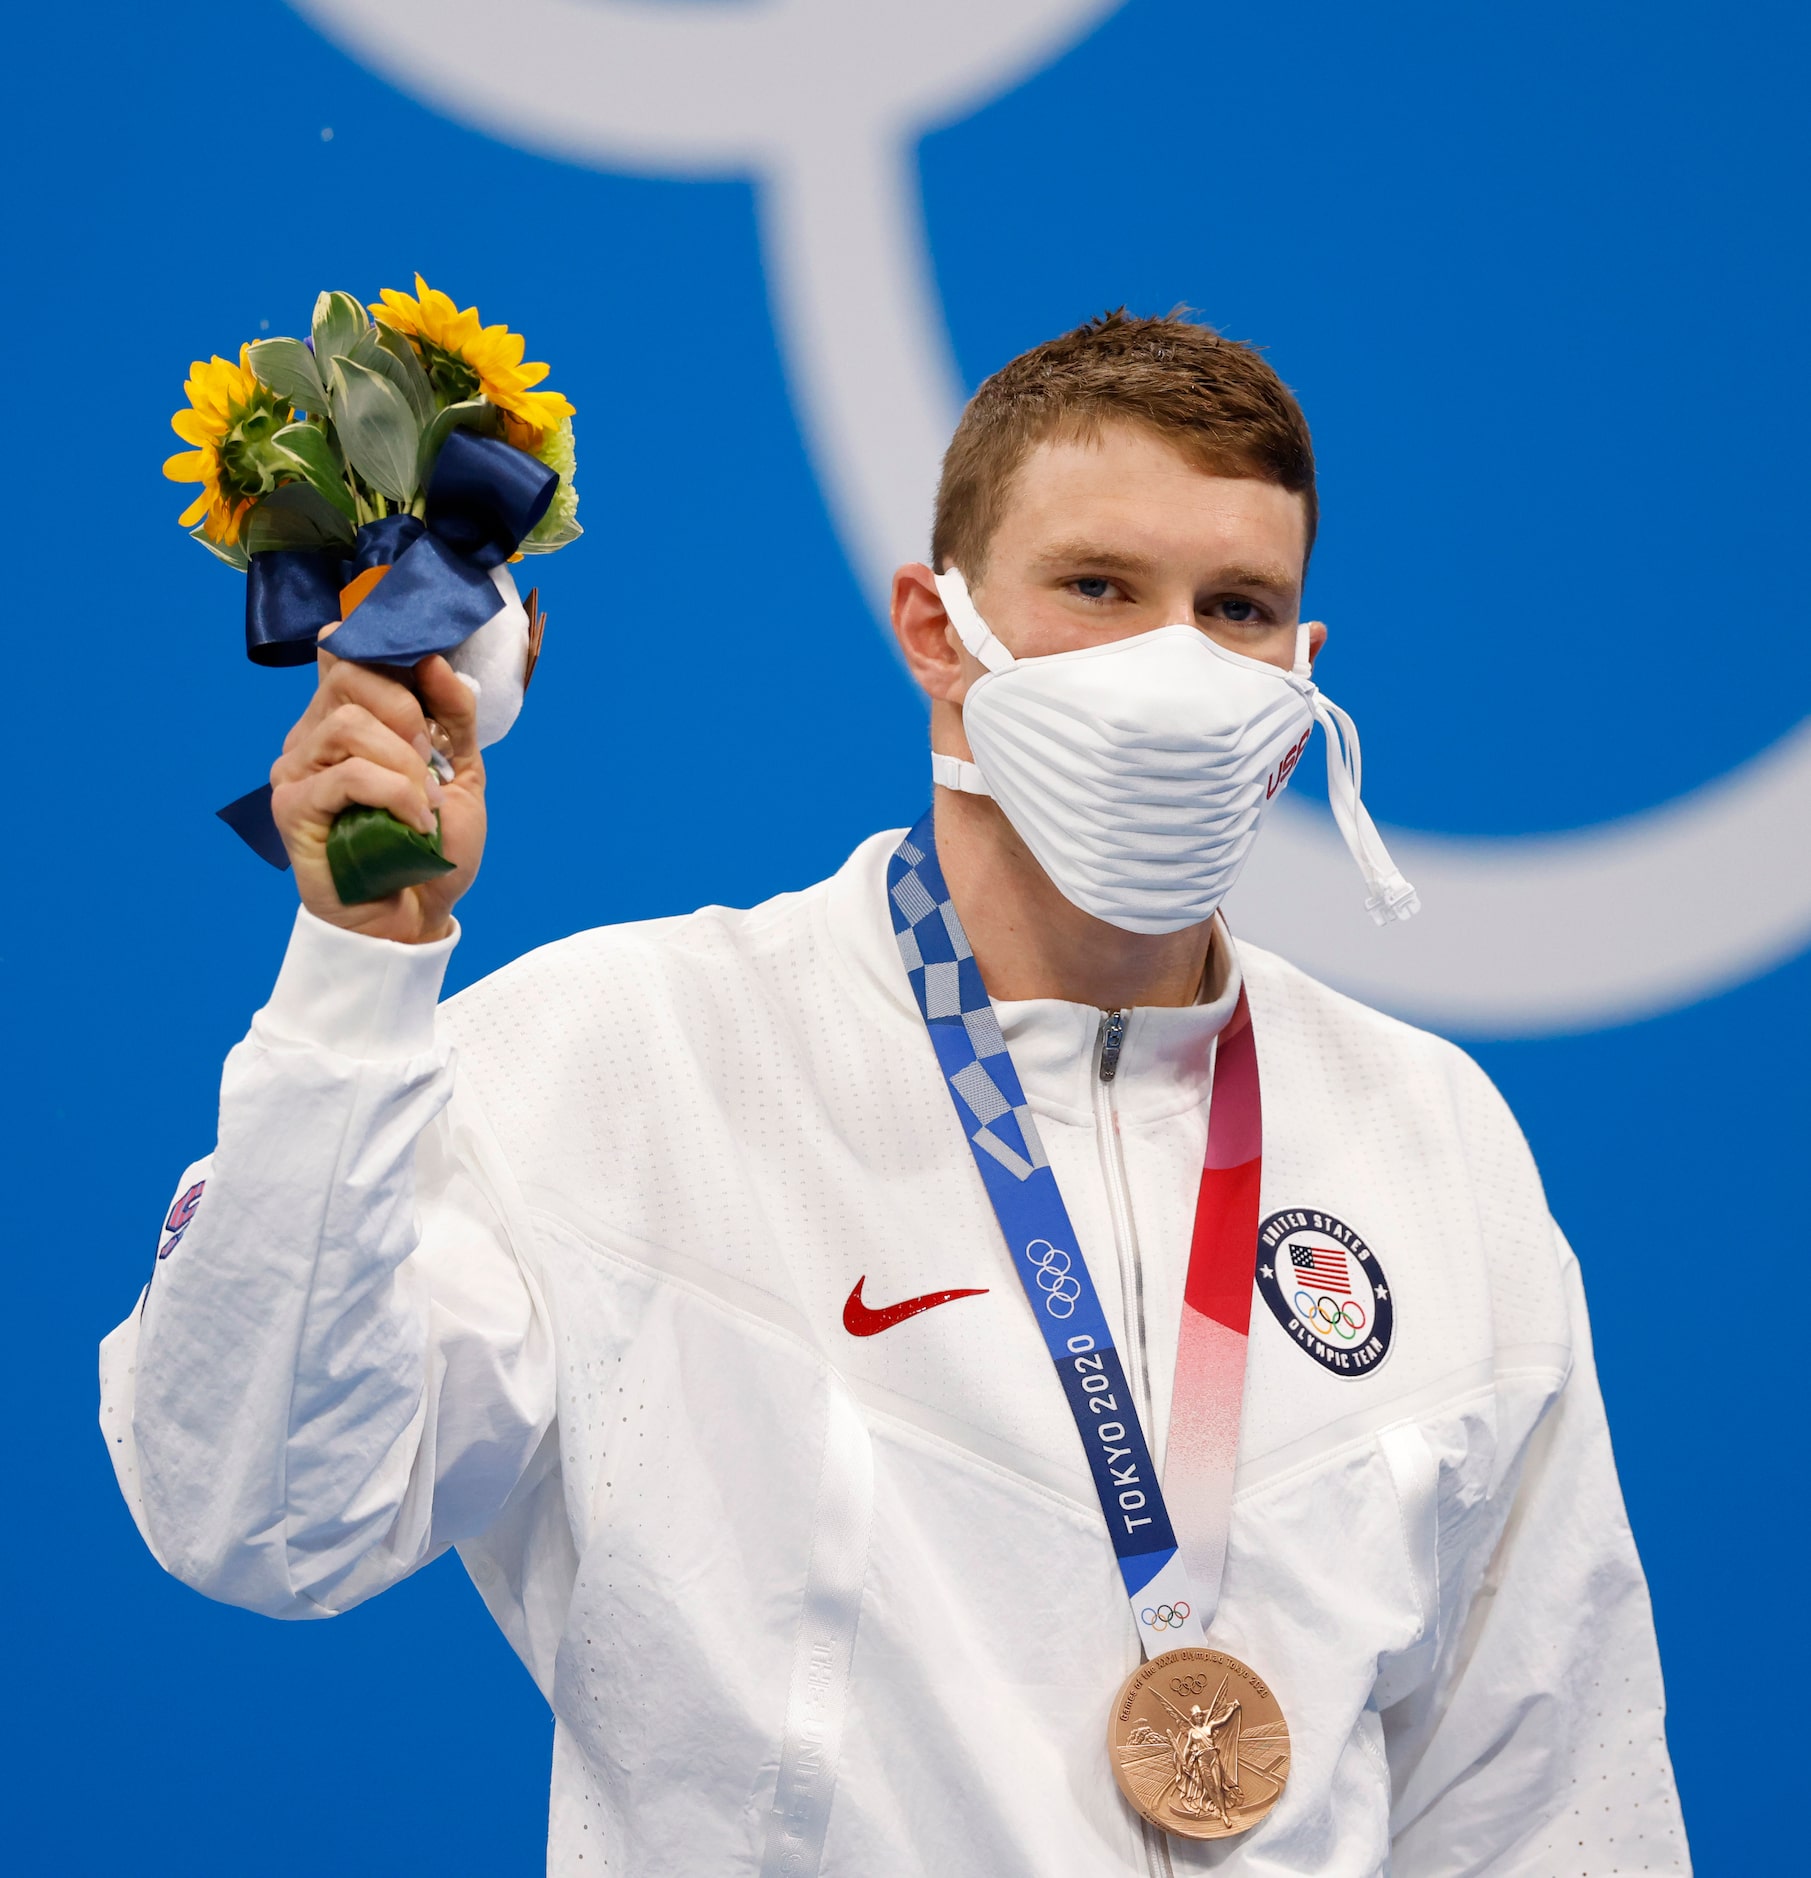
(1388, 895)
(971, 628)
(950, 772)
(1304, 665)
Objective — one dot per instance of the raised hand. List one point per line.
(364, 739)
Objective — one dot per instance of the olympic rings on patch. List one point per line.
(1165, 1616)
(1329, 1317)
(1062, 1289)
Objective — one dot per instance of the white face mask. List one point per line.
(1137, 772)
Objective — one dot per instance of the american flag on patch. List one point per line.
(1326, 1265)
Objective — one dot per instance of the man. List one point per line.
(690, 1276)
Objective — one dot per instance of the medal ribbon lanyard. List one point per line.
(1168, 1584)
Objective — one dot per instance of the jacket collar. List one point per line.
(1166, 1056)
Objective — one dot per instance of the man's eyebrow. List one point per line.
(1080, 553)
(1272, 579)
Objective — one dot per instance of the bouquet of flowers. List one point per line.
(373, 482)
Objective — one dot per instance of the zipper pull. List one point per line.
(1112, 1035)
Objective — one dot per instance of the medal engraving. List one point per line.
(1198, 1744)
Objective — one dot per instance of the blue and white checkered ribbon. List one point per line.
(990, 1103)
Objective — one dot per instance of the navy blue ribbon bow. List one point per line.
(483, 498)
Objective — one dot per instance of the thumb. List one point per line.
(450, 703)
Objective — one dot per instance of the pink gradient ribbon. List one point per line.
(1209, 1397)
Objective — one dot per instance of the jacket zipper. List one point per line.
(1108, 1045)
(1119, 1206)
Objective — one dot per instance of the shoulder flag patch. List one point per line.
(182, 1212)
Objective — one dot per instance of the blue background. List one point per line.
(1539, 276)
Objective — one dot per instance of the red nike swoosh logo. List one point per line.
(862, 1320)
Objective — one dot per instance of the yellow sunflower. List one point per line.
(231, 416)
(464, 359)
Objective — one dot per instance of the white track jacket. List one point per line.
(558, 1274)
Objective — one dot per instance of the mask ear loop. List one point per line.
(971, 628)
(951, 772)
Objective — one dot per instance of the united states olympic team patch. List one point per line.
(1324, 1285)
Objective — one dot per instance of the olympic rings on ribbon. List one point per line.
(1165, 1616)
(1062, 1289)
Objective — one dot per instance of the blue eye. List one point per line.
(1240, 612)
(1094, 587)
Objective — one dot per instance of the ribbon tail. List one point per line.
(251, 820)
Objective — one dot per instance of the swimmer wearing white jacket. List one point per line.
(865, 1347)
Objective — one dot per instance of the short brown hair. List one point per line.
(1217, 400)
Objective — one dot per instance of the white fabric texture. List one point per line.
(557, 1275)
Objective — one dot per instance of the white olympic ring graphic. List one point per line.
(822, 105)
(1061, 1288)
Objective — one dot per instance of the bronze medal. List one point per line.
(1198, 1744)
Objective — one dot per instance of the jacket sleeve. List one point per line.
(340, 1366)
(1538, 1745)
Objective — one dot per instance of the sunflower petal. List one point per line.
(224, 518)
(195, 511)
(187, 466)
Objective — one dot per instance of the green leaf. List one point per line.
(556, 537)
(405, 371)
(377, 429)
(297, 517)
(307, 446)
(231, 552)
(365, 347)
(372, 855)
(288, 368)
(477, 414)
(338, 321)
(411, 381)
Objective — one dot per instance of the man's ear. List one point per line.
(927, 641)
(1317, 637)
